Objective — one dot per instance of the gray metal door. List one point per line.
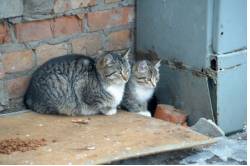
(203, 47)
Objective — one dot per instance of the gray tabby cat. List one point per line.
(79, 85)
(141, 86)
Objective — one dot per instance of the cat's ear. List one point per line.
(142, 66)
(157, 64)
(104, 60)
(108, 58)
(126, 55)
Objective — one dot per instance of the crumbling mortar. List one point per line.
(86, 23)
(70, 48)
(11, 31)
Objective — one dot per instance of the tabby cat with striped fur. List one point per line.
(79, 85)
(141, 86)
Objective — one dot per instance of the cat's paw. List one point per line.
(111, 112)
(145, 113)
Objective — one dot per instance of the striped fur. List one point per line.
(77, 85)
(141, 86)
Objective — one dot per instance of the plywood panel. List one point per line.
(115, 137)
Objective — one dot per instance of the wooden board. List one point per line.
(114, 137)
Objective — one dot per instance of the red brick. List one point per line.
(17, 87)
(171, 114)
(111, 1)
(35, 30)
(88, 45)
(4, 33)
(108, 18)
(66, 26)
(61, 5)
(17, 61)
(46, 52)
(64, 5)
(118, 40)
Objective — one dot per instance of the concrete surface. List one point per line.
(230, 150)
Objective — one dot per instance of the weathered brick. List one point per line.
(82, 3)
(171, 114)
(35, 30)
(111, 1)
(61, 5)
(4, 33)
(11, 8)
(17, 87)
(64, 5)
(88, 45)
(46, 52)
(118, 40)
(66, 25)
(17, 61)
(32, 7)
(108, 18)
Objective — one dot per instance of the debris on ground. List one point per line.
(7, 146)
(208, 128)
(171, 114)
(80, 121)
(225, 151)
(54, 141)
(88, 147)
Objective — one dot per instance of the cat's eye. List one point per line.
(110, 74)
(141, 78)
(110, 64)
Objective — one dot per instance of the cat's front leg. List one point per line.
(131, 106)
(140, 109)
(108, 111)
(144, 110)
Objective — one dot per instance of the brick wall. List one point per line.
(34, 31)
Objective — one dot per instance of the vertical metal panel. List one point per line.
(175, 29)
(186, 91)
(189, 32)
(231, 91)
(230, 26)
(179, 31)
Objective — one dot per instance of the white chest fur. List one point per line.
(117, 92)
(143, 94)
